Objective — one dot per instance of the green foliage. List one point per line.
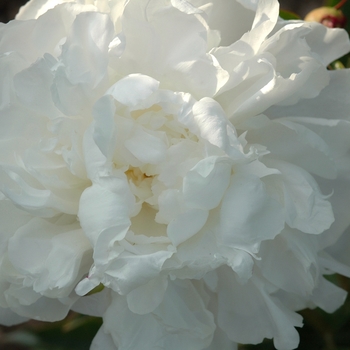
(288, 15)
(331, 2)
(74, 333)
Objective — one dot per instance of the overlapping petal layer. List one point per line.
(180, 155)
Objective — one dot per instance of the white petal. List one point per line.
(131, 270)
(146, 147)
(186, 225)
(328, 296)
(93, 305)
(37, 249)
(11, 219)
(99, 141)
(265, 19)
(104, 212)
(305, 207)
(181, 321)
(290, 262)
(26, 303)
(103, 341)
(33, 87)
(248, 214)
(146, 298)
(84, 54)
(248, 314)
(230, 18)
(9, 318)
(104, 126)
(329, 44)
(178, 57)
(331, 103)
(26, 193)
(133, 89)
(289, 141)
(214, 127)
(205, 184)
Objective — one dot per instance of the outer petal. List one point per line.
(103, 341)
(181, 321)
(328, 296)
(11, 219)
(248, 214)
(29, 38)
(51, 258)
(248, 314)
(305, 207)
(230, 18)
(328, 43)
(81, 76)
(179, 58)
(290, 262)
(36, 8)
(22, 189)
(43, 309)
(9, 318)
(32, 86)
(146, 298)
(265, 19)
(289, 141)
(331, 103)
(95, 304)
(129, 270)
(277, 76)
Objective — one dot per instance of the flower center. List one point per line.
(144, 222)
(140, 184)
(137, 176)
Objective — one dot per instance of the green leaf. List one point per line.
(288, 15)
(330, 3)
(97, 289)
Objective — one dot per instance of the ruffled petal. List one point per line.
(180, 59)
(248, 214)
(180, 321)
(111, 202)
(37, 246)
(9, 318)
(306, 208)
(205, 184)
(248, 314)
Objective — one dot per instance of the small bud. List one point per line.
(331, 17)
(97, 289)
(336, 65)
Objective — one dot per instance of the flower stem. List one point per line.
(340, 4)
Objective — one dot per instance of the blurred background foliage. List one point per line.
(321, 331)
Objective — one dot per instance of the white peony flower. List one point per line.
(191, 159)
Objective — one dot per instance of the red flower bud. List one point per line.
(331, 17)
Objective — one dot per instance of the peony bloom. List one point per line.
(189, 159)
